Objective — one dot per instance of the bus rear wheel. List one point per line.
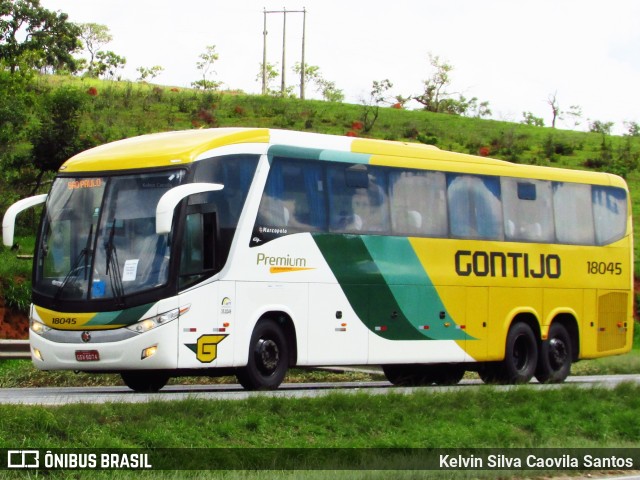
(268, 358)
(554, 363)
(141, 381)
(520, 358)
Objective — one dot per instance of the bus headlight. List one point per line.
(153, 322)
(38, 327)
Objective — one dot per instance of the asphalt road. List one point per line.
(66, 395)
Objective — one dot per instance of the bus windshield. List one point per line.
(98, 237)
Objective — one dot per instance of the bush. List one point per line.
(17, 294)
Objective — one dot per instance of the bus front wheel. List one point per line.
(554, 363)
(144, 381)
(268, 358)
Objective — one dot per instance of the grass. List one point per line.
(523, 418)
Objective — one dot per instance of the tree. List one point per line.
(598, 126)
(58, 137)
(149, 73)
(32, 34)
(326, 88)
(271, 71)
(574, 112)
(435, 86)
(94, 36)
(462, 106)
(371, 106)
(107, 64)
(436, 98)
(552, 100)
(633, 129)
(531, 119)
(207, 59)
(17, 100)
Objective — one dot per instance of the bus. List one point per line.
(248, 251)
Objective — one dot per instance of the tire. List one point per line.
(521, 356)
(554, 362)
(489, 372)
(448, 373)
(141, 381)
(409, 375)
(268, 358)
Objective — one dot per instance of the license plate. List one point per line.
(87, 355)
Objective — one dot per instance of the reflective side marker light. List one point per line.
(37, 354)
(148, 352)
(381, 328)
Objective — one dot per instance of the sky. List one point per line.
(515, 54)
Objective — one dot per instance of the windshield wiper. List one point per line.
(75, 268)
(113, 265)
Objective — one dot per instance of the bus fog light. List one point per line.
(37, 354)
(148, 352)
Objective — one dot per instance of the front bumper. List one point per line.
(113, 356)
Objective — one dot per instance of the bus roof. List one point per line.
(186, 146)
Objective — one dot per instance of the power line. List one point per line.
(284, 13)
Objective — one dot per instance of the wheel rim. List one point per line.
(521, 353)
(557, 353)
(267, 356)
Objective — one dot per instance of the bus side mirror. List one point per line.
(9, 220)
(168, 202)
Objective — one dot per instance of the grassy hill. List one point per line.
(114, 110)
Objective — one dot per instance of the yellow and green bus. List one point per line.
(250, 251)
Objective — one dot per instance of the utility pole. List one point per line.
(283, 85)
(304, 28)
(264, 54)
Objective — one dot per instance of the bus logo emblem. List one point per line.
(86, 337)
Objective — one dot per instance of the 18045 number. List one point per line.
(604, 268)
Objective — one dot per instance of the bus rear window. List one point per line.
(609, 213)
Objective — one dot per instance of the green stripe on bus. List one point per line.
(365, 287)
(411, 287)
(302, 153)
(121, 317)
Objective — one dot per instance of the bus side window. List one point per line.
(475, 210)
(293, 197)
(358, 201)
(527, 210)
(609, 213)
(573, 213)
(418, 203)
